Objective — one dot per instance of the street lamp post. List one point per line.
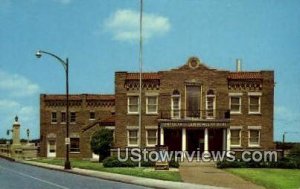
(65, 64)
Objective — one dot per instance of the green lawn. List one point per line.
(270, 178)
(134, 171)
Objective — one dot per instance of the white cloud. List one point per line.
(124, 24)
(8, 105)
(16, 85)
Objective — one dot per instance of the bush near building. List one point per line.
(113, 161)
(101, 143)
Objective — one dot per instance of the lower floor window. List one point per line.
(235, 137)
(254, 137)
(151, 137)
(132, 137)
(74, 145)
(52, 146)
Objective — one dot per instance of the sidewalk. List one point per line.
(208, 174)
(147, 182)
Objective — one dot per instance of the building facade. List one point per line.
(189, 108)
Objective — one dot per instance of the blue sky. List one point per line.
(100, 37)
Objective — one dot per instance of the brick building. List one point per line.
(186, 108)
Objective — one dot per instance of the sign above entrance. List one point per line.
(195, 124)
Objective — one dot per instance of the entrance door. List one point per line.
(195, 140)
(173, 139)
(51, 148)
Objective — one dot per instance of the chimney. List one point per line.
(238, 65)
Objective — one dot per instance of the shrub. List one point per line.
(173, 163)
(284, 163)
(114, 162)
(101, 142)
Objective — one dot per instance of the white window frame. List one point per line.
(147, 110)
(151, 145)
(257, 94)
(237, 95)
(172, 106)
(254, 128)
(128, 109)
(214, 106)
(76, 152)
(73, 122)
(53, 122)
(239, 128)
(63, 122)
(128, 134)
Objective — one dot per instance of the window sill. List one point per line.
(72, 123)
(92, 119)
(254, 146)
(147, 113)
(53, 123)
(74, 152)
(130, 146)
(254, 113)
(151, 145)
(236, 146)
(235, 113)
(133, 113)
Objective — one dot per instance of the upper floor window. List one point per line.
(254, 103)
(92, 115)
(175, 104)
(63, 117)
(133, 104)
(53, 117)
(193, 101)
(73, 117)
(210, 104)
(235, 103)
(151, 104)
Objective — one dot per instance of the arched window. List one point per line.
(175, 104)
(210, 104)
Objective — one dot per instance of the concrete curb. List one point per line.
(7, 158)
(146, 182)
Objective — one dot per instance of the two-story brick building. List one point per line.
(189, 108)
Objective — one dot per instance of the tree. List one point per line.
(101, 143)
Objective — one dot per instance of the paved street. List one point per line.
(15, 175)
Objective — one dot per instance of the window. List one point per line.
(235, 137)
(52, 146)
(92, 115)
(63, 117)
(254, 137)
(193, 101)
(254, 102)
(210, 104)
(132, 137)
(53, 117)
(133, 104)
(74, 145)
(175, 104)
(151, 137)
(151, 102)
(235, 104)
(73, 117)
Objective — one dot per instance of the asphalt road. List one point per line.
(19, 176)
